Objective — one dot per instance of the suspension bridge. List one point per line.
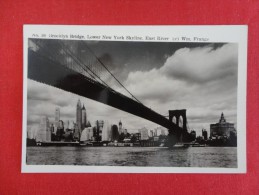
(74, 67)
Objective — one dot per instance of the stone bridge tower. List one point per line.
(177, 114)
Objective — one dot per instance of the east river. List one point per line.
(134, 156)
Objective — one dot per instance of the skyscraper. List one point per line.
(44, 132)
(76, 132)
(115, 133)
(84, 119)
(106, 131)
(79, 116)
(204, 134)
(99, 129)
(57, 118)
(57, 114)
(143, 133)
(120, 127)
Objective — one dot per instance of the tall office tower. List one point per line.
(158, 131)
(120, 127)
(204, 134)
(57, 114)
(106, 131)
(83, 117)
(66, 125)
(114, 133)
(151, 133)
(57, 118)
(76, 132)
(155, 132)
(44, 132)
(79, 116)
(143, 133)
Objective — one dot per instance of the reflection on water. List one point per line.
(134, 156)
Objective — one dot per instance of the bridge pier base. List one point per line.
(171, 140)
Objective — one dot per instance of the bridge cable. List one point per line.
(111, 73)
(80, 63)
(50, 53)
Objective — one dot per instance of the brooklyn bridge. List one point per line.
(74, 67)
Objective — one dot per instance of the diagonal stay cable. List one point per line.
(78, 61)
(111, 73)
(55, 53)
(69, 53)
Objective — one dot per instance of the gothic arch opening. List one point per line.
(181, 121)
(174, 120)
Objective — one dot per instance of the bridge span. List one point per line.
(45, 69)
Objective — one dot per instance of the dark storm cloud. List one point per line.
(140, 56)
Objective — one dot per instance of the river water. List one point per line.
(134, 156)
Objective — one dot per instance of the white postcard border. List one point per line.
(207, 33)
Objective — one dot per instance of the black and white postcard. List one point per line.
(134, 99)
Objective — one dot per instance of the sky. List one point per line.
(199, 77)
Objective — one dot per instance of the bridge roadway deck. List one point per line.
(51, 73)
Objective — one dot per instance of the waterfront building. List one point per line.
(44, 132)
(79, 116)
(76, 132)
(120, 127)
(90, 132)
(155, 132)
(57, 114)
(125, 131)
(204, 134)
(138, 136)
(84, 136)
(52, 128)
(151, 133)
(84, 117)
(155, 138)
(222, 128)
(87, 134)
(159, 131)
(106, 132)
(68, 135)
(192, 135)
(66, 125)
(115, 133)
(34, 131)
(53, 134)
(143, 133)
(57, 118)
(99, 129)
(71, 125)
(30, 133)
(95, 137)
(60, 130)
(163, 132)
(60, 124)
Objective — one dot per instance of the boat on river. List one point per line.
(180, 145)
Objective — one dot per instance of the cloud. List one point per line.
(202, 64)
(202, 80)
